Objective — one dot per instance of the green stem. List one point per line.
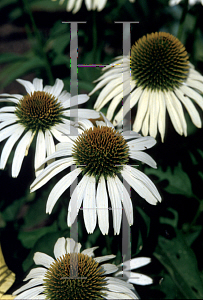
(182, 20)
(37, 35)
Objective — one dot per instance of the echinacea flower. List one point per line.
(101, 154)
(132, 277)
(74, 275)
(75, 5)
(191, 2)
(43, 112)
(161, 78)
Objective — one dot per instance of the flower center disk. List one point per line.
(101, 151)
(38, 110)
(74, 276)
(159, 61)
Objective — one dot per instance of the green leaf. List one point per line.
(4, 3)
(181, 264)
(178, 181)
(29, 238)
(10, 57)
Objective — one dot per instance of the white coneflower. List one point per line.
(101, 155)
(161, 78)
(43, 112)
(191, 2)
(75, 5)
(74, 275)
(132, 277)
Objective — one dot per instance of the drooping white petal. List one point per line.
(142, 109)
(100, 259)
(154, 112)
(115, 287)
(7, 109)
(9, 146)
(57, 87)
(109, 268)
(31, 293)
(60, 187)
(50, 145)
(50, 171)
(141, 143)
(101, 4)
(114, 295)
(143, 157)
(192, 94)
(162, 115)
(36, 273)
(89, 205)
(43, 259)
(9, 121)
(195, 84)
(40, 152)
(20, 152)
(125, 198)
(89, 251)
(179, 109)
(136, 263)
(32, 283)
(82, 113)
(6, 132)
(102, 206)
(140, 279)
(76, 200)
(115, 203)
(60, 136)
(72, 246)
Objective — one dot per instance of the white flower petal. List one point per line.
(115, 203)
(179, 109)
(143, 157)
(136, 263)
(30, 294)
(82, 113)
(7, 109)
(100, 259)
(192, 94)
(109, 268)
(57, 88)
(89, 205)
(114, 295)
(38, 84)
(102, 206)
(40, 152)
(9, 146)
(50, 145)
(32, 283)
(162, 115)
(195, 84)
(27, 85)
(142, 109)
(154, 112)
(6, 132)
(59, 248)
(11, 120)
(139, 279)
(20, 152)
(36, 273)
(43, 259)
(60, 187)
(76, 200)
(141, 143)
(89, 251)
(60, 136)
(72, 246)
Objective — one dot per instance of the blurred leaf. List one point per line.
(7, 278)
(192, 236)
(10, 57)
(29, 238)
(173, 222)
(180, 262)
(4, 3)
(18, 69)
(178, 180)
(10, 213)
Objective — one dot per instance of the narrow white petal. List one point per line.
(126, 200)
(6, 132)
(7, 109)
(128, 135)
(79, 99)
(82, 113)
(6, 117)
(57, 87)
(9, 146)
(162, 115)
(89, 205)
(115, 287)
(142, 109)
(145, 179)
(115, 203)
(50, 145)
(140, 279)
(114, 295)
(143, 157)
(178, 106)
(136, 263)
(59, 247)
(190, 108)
(60, 136)
(139, 187)
(102, 83)
(77, 7)
(60, 187)
(38, 84)
(108, 123)
(64, 146)
(154, 112)
(11, 120)
(109, 268)
(101, 4)
(36, 273)
(49, 172)
(195, 84)
(31, 293)
(27, 85)
(89, 251)
(70, 5)
(32, 283)
(76, 200)
(20, 152)
(64, 99)
(86, 124)
(43, 259)
(40, 152)
(141, 143)
(192, 94)
(100, 259)
(194, 75)
(102, 206)
(173, 113)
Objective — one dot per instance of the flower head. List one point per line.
(101, 155)
(161, 78)
(43, 112)
(75, 5)
(74, 275)
(191, 2)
